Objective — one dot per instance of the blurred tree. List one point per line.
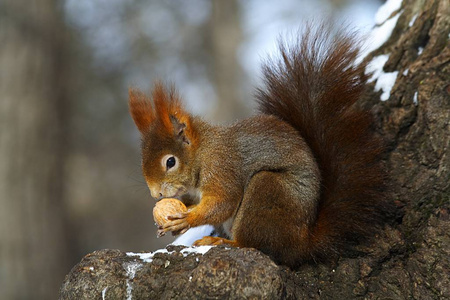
(116, 42)
(225, 40)
(33, 231)
(132, 43)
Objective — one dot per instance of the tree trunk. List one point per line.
(409, 260)
(225, 38)
(33, 255)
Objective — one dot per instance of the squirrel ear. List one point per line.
(180, 130)
(172, 115)
(141, 110)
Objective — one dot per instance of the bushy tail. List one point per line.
(314, 87)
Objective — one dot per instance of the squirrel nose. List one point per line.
(155, 191)
(157, 195)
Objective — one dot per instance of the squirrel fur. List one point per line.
(301, 181)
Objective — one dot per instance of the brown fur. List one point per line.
(315, 90)
(302, 181)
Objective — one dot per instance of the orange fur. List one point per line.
(164, 105)
(166, 110)
(140, 109)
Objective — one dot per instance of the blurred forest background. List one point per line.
(70, 178)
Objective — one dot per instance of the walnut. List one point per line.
(167, 207)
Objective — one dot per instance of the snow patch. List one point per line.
(386, 10)
(419, 50)
(384, 81)
(405, 72)
(411, 23)
(193, 234)
(131, 269)
(200, 250)
(104, 293)
(148, 257)
(377, 37)
(375, 66)
(415, 101)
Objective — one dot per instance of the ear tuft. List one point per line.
(167, 113)
(140, 109)
(165, 102)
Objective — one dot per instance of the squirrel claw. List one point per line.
(177, 216)
(176, 225)
(178, 232)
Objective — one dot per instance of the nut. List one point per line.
(167, 207)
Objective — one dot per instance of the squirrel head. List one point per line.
(169, 141)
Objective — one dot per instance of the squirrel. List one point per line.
(301, 181)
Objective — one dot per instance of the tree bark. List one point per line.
(33, 256)
(409, 260)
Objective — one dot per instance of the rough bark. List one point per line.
(410, 259)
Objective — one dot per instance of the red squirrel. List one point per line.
(302, 180)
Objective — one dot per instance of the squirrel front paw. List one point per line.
(177, 224)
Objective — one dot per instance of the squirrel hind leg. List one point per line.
(271, 218)
(214, 241)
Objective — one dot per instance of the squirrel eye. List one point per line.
(169, 162)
